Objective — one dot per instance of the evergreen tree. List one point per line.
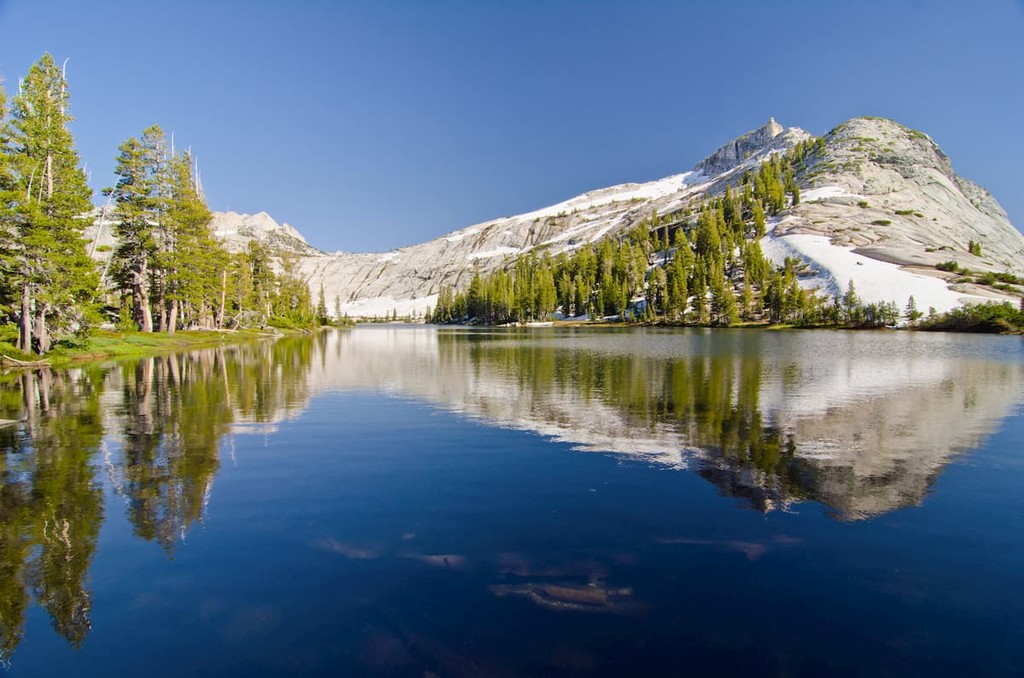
(193, 261)
(45, 258)
(708, 243)
(322, 316)
(851, 303)
(723, 303)
(138, 211)
(911, 312)
(8, 225)
(759, 220)
(747, 307)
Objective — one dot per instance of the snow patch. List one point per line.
(464, 233)
(496, 252)
(826, 192)
(384, 306)
(875, 281)
(622, 193)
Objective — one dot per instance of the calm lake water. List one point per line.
(433, 502)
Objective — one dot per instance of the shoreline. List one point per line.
(112, 345)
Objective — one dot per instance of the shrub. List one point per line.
(989, 317)
(948, 266)
(881, 222)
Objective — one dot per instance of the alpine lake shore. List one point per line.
(112, 345)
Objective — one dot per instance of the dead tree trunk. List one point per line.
(42, 335)
(25, 336)
(140, 295)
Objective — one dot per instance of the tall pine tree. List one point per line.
(47, 208)
(138, 211)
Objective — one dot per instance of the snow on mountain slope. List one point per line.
(874, 280)
(409, 278)
(880, 205)
(881, 198)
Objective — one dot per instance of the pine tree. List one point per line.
(139, 209)
(911, 312)
(546, 294)
(8, 225)
(851, 303)
(657, 290)
(193, 261)
(709, 244)
(747, 309)
(322, 316)
(46, 259)
(723, 302)
(759, 220)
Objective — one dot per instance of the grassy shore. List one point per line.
(105, 345)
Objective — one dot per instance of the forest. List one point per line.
(701, 266)
(167, 270)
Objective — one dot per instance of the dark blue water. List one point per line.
(418, 502)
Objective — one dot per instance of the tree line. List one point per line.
(694, 266)
(167, 270)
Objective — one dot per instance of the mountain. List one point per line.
(238, 229)
(881, 205)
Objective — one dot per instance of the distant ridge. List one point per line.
(881, 206)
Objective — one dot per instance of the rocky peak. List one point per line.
(236, 230)
(742, 148)
(887, 143)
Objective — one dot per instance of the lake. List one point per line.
(419, 501)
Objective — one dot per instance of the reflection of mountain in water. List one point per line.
(861, 422)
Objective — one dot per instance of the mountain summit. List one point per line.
(751, 144)
(880, 205)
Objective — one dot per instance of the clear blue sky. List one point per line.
(370, 125)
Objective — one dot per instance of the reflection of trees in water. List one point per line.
(710, 401)
(50, 502)
(864, 434)
(266, 380)
(172, 412)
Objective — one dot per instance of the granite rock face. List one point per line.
(885, 190)
(744, 147)
(891, 193)
(237, 230)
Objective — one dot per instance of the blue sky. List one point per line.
(371, 125)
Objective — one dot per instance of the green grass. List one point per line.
(105, 345)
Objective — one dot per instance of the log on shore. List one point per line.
(14, 362)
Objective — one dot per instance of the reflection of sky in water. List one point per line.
(871, 403)
(347, 523)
